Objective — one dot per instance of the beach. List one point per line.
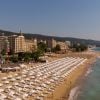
(48, 81)
(62, 92)
(83, 72)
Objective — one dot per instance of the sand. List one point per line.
(62, 91)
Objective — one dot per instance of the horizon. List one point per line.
(67, 18)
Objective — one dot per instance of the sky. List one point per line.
(65, 18)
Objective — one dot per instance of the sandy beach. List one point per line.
(61, 90)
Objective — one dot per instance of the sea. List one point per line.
(96, 49)
(89, 87)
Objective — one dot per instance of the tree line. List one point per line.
(29, 56)
(77, 47)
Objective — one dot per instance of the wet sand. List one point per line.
(62, 91)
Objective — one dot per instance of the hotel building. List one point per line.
(31, 45)
(18, 43)
(51, 43)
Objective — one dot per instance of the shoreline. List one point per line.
(75, 91)
(73, 94)
(62, 91)
(76, 86)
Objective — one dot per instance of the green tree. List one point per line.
(11, 52)
(79, 47)
(3, 52)
(56, 48)
(14, 59)
(27, 56)
(36, 55)
(20, 56)
(42, 47)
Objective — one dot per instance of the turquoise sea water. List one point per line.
(90, 87)
(97, 49)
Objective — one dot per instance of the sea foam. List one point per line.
(73, 93)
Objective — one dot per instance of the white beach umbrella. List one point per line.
(2, 97)
(18, 98)
(18, 78)
(22, 81)
(1, 84)
(32, 77)
(23, 75)
(30, 74)
(32, 91)
(39, 88)
(1, 90)
(16, 74)
(25, 95)
(16, 84)
(31, 83)
(39, 98)
(13, 79)
(4, 78)
(6, 82)
(9, 87)
(26, 86)
(27, 79)
(44, 85)
(12, 92)
(10, 76)
(19, 89)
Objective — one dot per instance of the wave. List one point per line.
(98, 56)
(73, 93)
(88, 72)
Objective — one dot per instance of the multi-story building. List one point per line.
(68, 43)
(62, 45)
(31, 45)
(20, 45)
(4, 44)
(51, 43)
(17, 43)
(12, 42)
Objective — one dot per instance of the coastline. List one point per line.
(62, 89)
(62, 92)
(78, 81)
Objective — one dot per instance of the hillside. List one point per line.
(44, 37)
